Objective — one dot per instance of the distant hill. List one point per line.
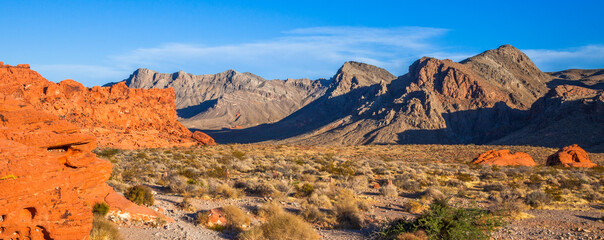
(496, 97)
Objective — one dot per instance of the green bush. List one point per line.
(140, 195)
(446, 222)
(100, 209)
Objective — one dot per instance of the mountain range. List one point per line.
(497, 97)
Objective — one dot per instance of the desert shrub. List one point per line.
(554, 193)
(348, 215)
(305, 190)
(389, 191)
(409, 185)
(108, 152)
(283, 225)
(238, 154)
(100, 209)
(177, 183)
(225, 191)
(140, 195)
(262, 188)
(446, 222)
(537, 199)
(284, 188)
(236, 218)
(103, 229)
(497, 187)
(269, 209)
(358, 184)
(508, 203)
(464, 177)
(322, 201)
(186, 205)
(312, 214)
(418, 235)
(414, 207)
(432, 193)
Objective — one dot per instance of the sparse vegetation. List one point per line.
(140, 195)
(103, 229)
(340, 187)
(445, 222)
(281, 225)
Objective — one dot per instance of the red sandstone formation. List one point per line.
(118, 116)
(570, 156)
(203, 138)
(49, 179)
(216, 218)
(504, 158)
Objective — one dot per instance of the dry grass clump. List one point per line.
(236, 218)
(281, 225)
(348, 214)
(415, 207)
(103, 229)
(389, 190)
(417, 235)
(186, 205)
(537, 199)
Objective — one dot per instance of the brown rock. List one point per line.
(570, 156)
(504, 158)
(49, 179)
(118, 116)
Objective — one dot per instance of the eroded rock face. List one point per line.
(504, 158)
(203, 138)
(49, 179)
(570, 156)
(118, 116)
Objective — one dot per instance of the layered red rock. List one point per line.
(120, 117)
(570, 156)
(504, 158)
(49, 179)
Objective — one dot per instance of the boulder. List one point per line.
(49, 179)
(504, 158)
(570, 156)
(203, 138)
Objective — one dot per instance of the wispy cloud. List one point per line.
(307, 52)
(590, 56)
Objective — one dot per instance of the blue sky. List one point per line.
(95, 42)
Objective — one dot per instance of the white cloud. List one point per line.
(590, 56)
(308, 52)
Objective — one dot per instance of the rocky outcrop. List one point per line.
(504, 158)
(230, 99)
(570, 156)
(203, 138)
(120, 117)
(566, 115)
(49, 179)
(353, 75)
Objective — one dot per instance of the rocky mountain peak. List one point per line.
(355, 75)
(511, 70)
